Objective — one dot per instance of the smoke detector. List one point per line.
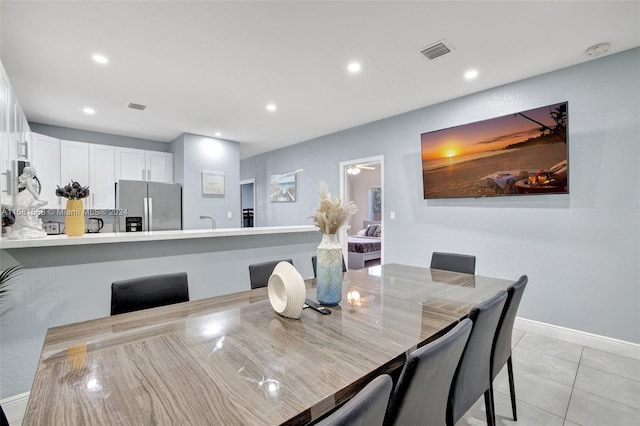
(139, 107)
(598, 49)
(437, 49)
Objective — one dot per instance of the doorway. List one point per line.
(362, 181)
(248, 202)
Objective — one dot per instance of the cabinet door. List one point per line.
(46, 161)
(74, 165)
(130, 164)
(5, 165)
(159, 166)
(102, 176)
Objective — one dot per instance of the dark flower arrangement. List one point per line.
(73, 191)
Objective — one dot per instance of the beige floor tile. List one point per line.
(527, 414)
(544, 366)
(610, 386)
(611, 363)
(539, 392)
(588, 409)
(549, 346)
(570, 423)
(516, 336)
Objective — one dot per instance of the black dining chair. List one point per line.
(422, 392)
(366, 408)
(148, 292)
(259, 273)
(502, 341)
(314, 263)
(473, 375)
(453, 262)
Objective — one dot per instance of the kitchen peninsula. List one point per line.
(68, 279)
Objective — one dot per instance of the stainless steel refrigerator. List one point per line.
(148, 206)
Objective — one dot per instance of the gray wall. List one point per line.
(581, 251)
(359, 186)
(194, 154)
(79, 135)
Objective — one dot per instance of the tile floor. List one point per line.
(560, 383)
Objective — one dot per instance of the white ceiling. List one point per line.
(212, 66)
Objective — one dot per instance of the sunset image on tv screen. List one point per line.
(517, 154)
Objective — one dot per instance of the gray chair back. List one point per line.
(502, 341)
(148, 292)
(314, 263)
(473, 376)
(422, 392)
(259, 273)
(502, 344)
(453, 262)
(367, 408)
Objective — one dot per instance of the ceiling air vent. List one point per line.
(437, 49)
(136, 106)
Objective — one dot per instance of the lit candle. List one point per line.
(353, 298)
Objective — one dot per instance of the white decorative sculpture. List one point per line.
(27, 204)
(286, 290)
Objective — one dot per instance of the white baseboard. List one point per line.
(14, 407)
(603, 343)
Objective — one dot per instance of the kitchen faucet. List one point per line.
(213, 221)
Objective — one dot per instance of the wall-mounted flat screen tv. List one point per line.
(518, 154)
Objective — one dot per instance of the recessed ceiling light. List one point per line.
(471, 74)
(271, 107)
(88, 110)
(100, 59)
(217, 134)
(353, 67)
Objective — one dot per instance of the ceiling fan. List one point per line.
(355, 169)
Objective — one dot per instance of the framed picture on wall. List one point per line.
(283, 187)
(212, 183)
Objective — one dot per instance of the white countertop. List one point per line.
(125, 237)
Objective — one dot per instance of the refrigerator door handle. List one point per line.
(150, 216)
(145, 211)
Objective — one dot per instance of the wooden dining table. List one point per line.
(232, 360)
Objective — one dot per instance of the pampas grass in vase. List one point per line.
(331, 215)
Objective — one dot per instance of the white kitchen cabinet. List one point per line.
(74, 165)
(46, 161)
(5, 163)
(138, 164)
(102, 176)
(159, 166)
(19, 129)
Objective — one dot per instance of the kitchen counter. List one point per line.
(125, 237)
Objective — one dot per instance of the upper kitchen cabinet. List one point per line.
(5, 163)
(74, 165)
(102, 176)
(46, 161)
(15, 137)
(137, 164)
(93, 165)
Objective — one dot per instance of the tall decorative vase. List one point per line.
(74, 218)
(329, 270)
